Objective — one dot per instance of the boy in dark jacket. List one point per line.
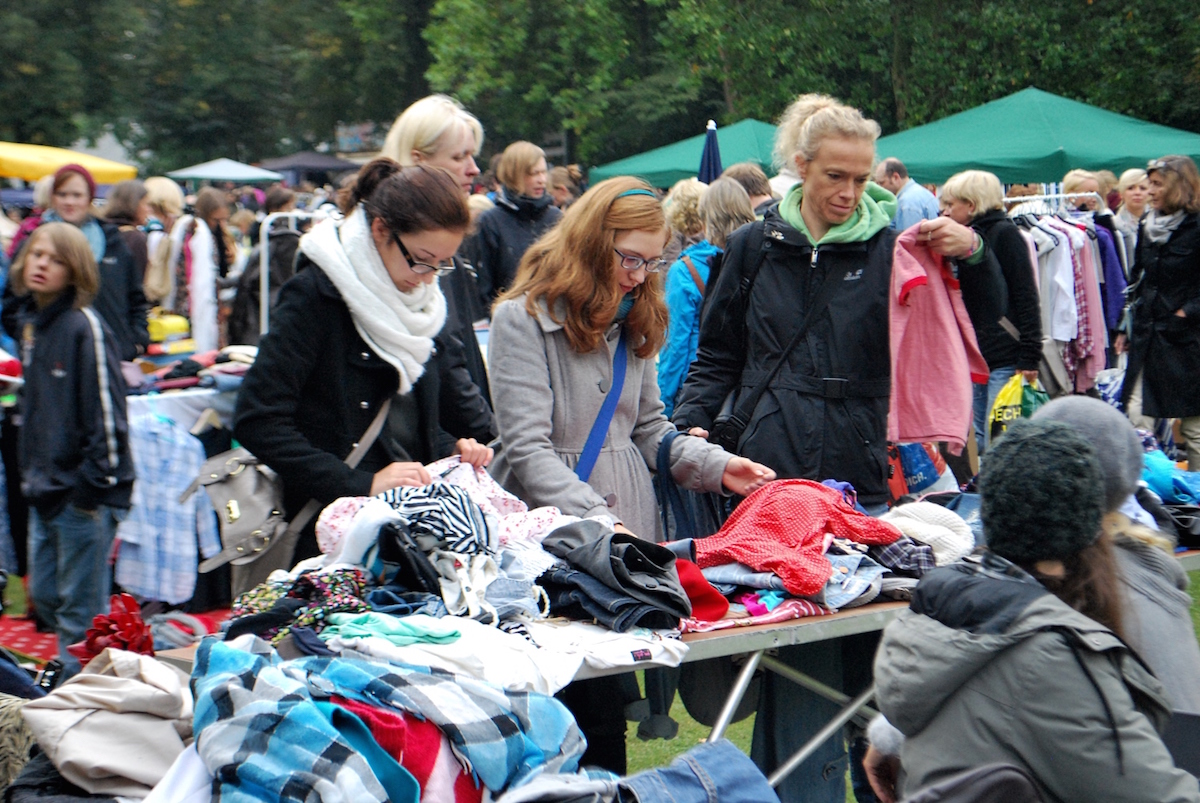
(74, 449)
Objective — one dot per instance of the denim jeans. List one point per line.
(571, 590)
(714, 772)
(70, 578)
(985, 397)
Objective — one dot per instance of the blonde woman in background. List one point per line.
(682, 207)
(165, 199)
(437, 131)
(524, 212)
(565, 185)
(1134, 191)
(724, 206)
(1077, 181)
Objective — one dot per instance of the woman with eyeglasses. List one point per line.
(586, 298)
(1162, 379)
(357, 325)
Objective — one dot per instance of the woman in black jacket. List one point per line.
(354, 328)
(824, 415)
(1163, 376)
(524, 212)
(1004, 309)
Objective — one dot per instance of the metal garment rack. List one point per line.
(1061, 197)
(264, 259)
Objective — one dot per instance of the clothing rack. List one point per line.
(1061, 197)
(264, 278)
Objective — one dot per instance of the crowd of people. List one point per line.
(749, 330)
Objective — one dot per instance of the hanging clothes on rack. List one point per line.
(1081, 282)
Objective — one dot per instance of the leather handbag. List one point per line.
(248, 498)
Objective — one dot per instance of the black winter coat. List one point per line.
(462, 310)
(804, 426)
(1018, 300)
(74, 443)
(505, 234)
(1164, 348)
(316, 386)
(120, 300)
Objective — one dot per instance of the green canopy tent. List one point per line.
(745, 141)
(1033, 136)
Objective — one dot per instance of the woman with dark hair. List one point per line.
(1015, 655)
(355, 327)
(524, 212)
(585, 293)
(202, 253)
(127, 208)
(1162, 379)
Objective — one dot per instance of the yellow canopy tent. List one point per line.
(31, 162)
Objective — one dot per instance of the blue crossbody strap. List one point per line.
(595, 438)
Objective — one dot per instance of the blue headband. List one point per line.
(637, 191)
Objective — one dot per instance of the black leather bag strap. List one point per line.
(732, 431)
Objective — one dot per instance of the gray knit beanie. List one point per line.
(1117, 444)
(1042, 491)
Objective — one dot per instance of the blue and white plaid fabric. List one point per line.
(157, 559)
(258, 732)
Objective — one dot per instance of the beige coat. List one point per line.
(116, 728)
(546, 398)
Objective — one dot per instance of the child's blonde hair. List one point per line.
(73, 251)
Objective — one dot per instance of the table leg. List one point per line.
(735, 696)
(823, 735)
(866, 712)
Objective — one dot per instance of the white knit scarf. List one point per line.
(399, 327)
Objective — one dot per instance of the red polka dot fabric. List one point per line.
(782, 528)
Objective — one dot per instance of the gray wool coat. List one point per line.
(546, 397)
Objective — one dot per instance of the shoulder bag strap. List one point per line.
(669, 497)
(745, 406)
(353, 459)
(691, 266)
(595, 438)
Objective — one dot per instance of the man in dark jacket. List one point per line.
(505, 234)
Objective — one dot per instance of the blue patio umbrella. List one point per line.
(710, 157)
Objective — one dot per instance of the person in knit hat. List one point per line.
(1155, 603)
(1015, 655)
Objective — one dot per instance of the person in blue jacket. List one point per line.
(724, 207)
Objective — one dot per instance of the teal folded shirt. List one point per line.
(400, 631)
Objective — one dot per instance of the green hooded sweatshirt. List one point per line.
(875, 211)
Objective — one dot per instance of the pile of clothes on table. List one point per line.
(414, 660)
(223, 370)
(799, 548)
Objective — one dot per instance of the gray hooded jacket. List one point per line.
(987, 666)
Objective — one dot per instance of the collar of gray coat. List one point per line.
(544, 319)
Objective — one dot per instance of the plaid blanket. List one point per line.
(262, 738)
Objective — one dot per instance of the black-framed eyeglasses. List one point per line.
(632, 262)
(421, 268)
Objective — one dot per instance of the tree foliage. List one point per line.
(186, 80)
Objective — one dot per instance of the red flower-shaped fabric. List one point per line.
(781, 528)
(122, 627)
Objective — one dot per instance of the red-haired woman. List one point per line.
(583, 291)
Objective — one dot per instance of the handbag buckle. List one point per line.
(232, 511)
(263, 542)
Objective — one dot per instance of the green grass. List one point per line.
(659, 752)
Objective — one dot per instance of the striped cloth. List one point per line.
(442, 517)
